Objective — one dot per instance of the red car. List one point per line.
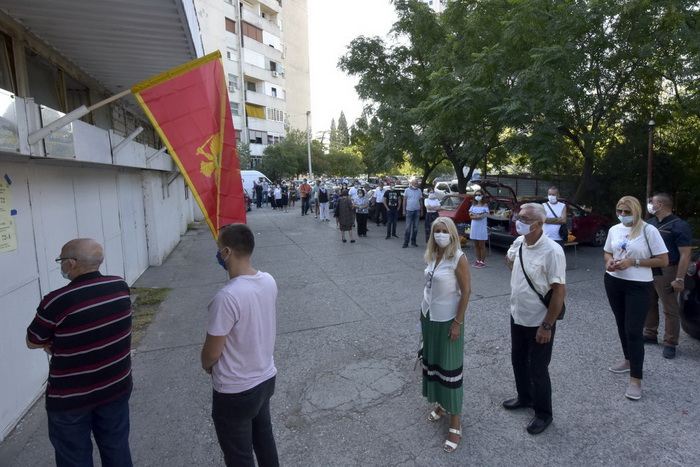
(586, 226)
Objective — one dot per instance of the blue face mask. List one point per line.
(65, 275)
(626, 219)
(220, 260)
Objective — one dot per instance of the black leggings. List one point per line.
(629, 301)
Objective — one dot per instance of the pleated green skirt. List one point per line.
(443, 361)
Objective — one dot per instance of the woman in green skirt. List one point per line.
(445, 300)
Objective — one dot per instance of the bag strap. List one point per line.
(651, 253)
(550, 208)
(529, 282)
(668, 223)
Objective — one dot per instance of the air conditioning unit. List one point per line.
(275, 74)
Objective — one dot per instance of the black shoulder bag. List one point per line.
(547, 298)
(563, 230)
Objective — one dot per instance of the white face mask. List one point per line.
(478, 197)
(431, 196)
(552, 199)
(522, 228)
(626, 219)
(65, 275)
(442, 239)
(650, 209)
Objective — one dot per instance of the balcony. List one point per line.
(260, 22)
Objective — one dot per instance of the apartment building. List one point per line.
(105, 176)
(437, 5)
(265, 45)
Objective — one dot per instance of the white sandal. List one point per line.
(449, 446)
(434, 416)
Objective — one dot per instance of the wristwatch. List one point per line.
(680, 280)
(546, 326)
(636, 263)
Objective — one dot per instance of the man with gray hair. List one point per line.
(86, 328)
(538, 265)
(412, 209)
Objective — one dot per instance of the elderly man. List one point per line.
(556, 216)
(238, 353)
(86, 327)
(538, 265)
(678, 238)
(412, 208)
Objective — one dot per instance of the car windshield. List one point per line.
(450, 202)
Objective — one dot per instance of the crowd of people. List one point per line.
(644, 263)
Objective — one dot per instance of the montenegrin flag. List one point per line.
(189, 108)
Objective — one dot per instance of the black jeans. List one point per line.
(242, 423)
(361, 219)
(531, 368)
(305, 205)
(391, 218)
(380, 215)
(629, 301)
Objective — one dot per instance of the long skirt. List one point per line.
(443, 360)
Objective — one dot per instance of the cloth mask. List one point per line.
(552, 199)
(650, 209)
(442, 239)
(220, 260)
(522, 228)
(478, 197)
(626, 219)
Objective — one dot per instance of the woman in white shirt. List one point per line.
(432, 204)
(445, 299)
(632, 249)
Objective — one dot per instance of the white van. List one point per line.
(250, 176)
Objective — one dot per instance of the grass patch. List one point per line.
(144, 310)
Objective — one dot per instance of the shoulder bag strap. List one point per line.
(529, 282)
(550, 208)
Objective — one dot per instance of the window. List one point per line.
(273, 92)
(256, 137)
(232, 82)
(232, 55)
(250, 86)
(275, 115)
(231, 25)
(273, 66)
(6, 77)
(251, 31)
(234, 108)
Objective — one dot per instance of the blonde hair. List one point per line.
(451, 249)
(636, 208)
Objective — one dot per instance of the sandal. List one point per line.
(434, 416)
(449, 446)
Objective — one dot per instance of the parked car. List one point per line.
(690, 297)
(456, 207)
(586, 226)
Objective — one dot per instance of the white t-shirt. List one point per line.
(432, 204)
(378, 195)
(352, 192)
(545, 264)
(442, 297)
(552, 230)
(620, 246)
(244, 310)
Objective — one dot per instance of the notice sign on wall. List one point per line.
(8, 240)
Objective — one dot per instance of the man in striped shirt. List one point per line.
(86, 328)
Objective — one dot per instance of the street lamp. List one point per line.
(308, 143)
(650, 157)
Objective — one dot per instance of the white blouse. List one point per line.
(442, 293)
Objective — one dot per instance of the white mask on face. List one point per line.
(522, 228)
(442, 239)
(650, 209)
(478, 197)
(626, 219)
(65, 275)
(431, 196)
(552, 199)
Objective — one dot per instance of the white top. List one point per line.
(442, 297)
(352, 192)
(552, 230)
(278, 193)
(432, 204)
(545, 264)
(244, 310)
(620, 246)
(378, 195)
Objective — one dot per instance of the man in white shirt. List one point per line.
(238, 352)
(378, 198)
(532, 325)
(556, 216)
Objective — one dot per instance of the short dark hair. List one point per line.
(239, 238)
(665, 199)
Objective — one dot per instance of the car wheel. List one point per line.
(600, 236)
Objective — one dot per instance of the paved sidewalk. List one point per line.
(346, 391)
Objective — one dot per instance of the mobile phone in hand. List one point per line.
(670, 289)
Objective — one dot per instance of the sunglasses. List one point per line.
(624, 212)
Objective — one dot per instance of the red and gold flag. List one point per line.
(189, 108)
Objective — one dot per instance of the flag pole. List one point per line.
(109, 99)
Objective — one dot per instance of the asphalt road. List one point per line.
(347, 394)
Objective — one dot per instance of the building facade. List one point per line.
(105, 176)
(437, 5)
(265, 45)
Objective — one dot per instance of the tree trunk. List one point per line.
(586, 174)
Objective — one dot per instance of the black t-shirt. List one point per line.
(392, 199)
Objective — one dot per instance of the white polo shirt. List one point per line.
(545, 264)
(244, 310)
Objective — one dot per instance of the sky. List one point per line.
(333, 24)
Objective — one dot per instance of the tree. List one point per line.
(244, 157)
(343, 132)
(333, 141)
(345, 162)
(286, 159)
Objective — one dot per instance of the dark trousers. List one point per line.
(531, 368)
(629, 301)
(69, 433)
(243, 425)
(361, 219)
(305, 205)
(429, 218)
(258, 198)
(380, 215)
(391, 218)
